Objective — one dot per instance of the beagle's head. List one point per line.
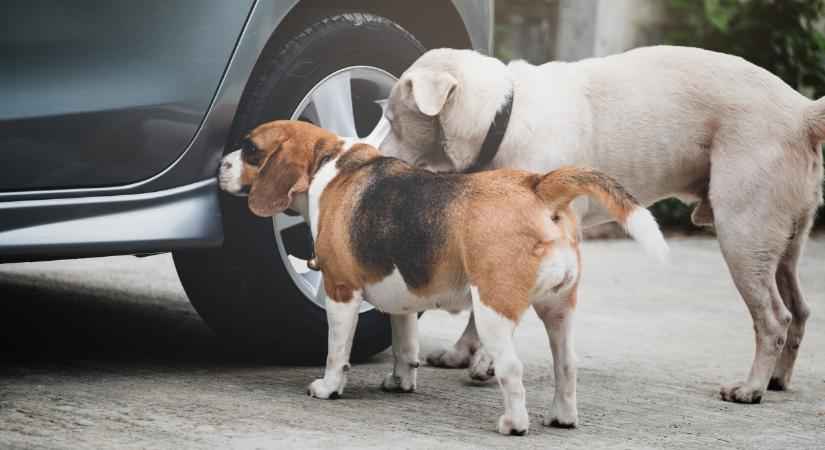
(276, 163)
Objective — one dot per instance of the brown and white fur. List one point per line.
(408, 240)
(663, 121)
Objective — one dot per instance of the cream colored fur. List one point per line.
(663, 121)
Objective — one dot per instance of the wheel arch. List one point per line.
(436, 23)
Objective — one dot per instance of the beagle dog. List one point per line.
(408, 240)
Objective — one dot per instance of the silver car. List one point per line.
(114, 115)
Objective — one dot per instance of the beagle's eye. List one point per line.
(556, 218)
(250, 153)
(323, 160)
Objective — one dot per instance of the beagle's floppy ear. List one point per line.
(430, 89)
(282, 176)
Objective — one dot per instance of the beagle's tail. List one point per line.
(561, 186)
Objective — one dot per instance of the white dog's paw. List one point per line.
(515, 426)
(320, 389)
(481, 366)
(397, 383)
(455, 358)
(559, 417)
(739, 392)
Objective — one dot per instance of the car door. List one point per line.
(103, 93)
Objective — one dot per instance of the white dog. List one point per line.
(663, 121)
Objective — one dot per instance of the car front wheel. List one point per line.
(334, 69)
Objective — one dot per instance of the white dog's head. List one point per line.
(441, 108)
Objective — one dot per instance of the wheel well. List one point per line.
(435, 23)
(440, 26)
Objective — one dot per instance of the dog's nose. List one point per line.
(226, 164)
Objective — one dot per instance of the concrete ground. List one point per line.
(108, 353)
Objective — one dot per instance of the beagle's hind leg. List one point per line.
(495, 325)
(558, 320)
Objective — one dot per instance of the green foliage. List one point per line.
(783, 36)
(673, 214)
(501, 51)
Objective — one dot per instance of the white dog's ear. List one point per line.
(430, 89)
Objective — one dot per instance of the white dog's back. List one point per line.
(641, 114)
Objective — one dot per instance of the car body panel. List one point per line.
(184, 217)
(194, 168)
(107, 93)
(478, 19)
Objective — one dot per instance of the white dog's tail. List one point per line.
(561, 186)
(815, 120)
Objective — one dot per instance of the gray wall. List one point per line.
(570, 30)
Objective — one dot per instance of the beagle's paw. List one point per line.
(513, 426)
(320, 389)
(481, 366)
(397, 383)
(739, 392)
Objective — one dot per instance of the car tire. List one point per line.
(243, 290)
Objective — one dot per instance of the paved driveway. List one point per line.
(107, 352)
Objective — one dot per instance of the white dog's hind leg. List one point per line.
(496, 333)
(482, 367)
(342, 318)
(752, 244)
(405, 351)
(558, 320)
(462, 351)
(788, 285)
(753, 272)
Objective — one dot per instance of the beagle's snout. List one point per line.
(229, 173)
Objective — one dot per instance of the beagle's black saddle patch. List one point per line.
(401, 219)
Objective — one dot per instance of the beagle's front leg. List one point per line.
(405, 351)
(342, 318)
